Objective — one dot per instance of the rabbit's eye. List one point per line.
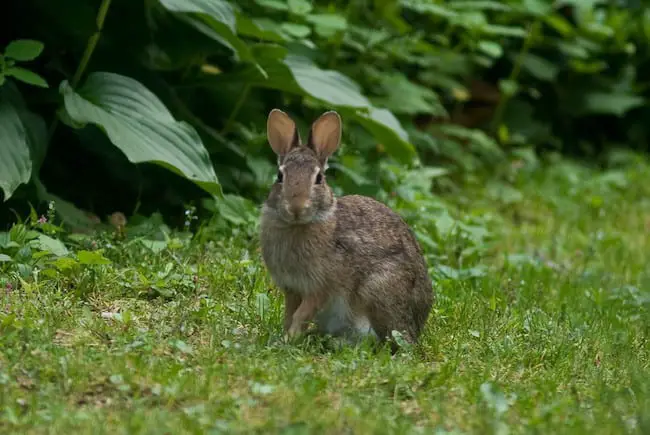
(279, 179)
(319, 178)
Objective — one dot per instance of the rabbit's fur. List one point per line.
(351, 264)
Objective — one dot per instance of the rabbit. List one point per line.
(350, 264)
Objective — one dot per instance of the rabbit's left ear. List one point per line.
(281, 132)
(325, 135)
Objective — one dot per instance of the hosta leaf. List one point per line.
(389, 132)
(15, 160)
(214, 18)
(138, 123)
(24, 49)
(326, 85)
(47, 243)
(403, 96)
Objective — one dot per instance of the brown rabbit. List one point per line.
(351, 264)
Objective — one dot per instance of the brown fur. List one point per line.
(352, 252)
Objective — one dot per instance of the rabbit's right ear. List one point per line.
(281, 132)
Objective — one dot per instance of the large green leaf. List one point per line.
(214, 18)
(22, 140)
(325, 85)
(400, 95)
(15, 160)
(138, 123)
(386, 128)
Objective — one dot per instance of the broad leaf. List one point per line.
(138, 123)
(404, 96)
(24, 49)
(610, 104)
(325, 85)
(387, 129)
(214, 18)
(47, 243)
(27, 76)
(15, 160)
(539, 67)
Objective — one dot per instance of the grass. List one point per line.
(553, 338)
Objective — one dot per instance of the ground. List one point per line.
(183, 336)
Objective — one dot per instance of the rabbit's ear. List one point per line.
(281, 132)
(325, 134)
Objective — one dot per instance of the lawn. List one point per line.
(546, 333)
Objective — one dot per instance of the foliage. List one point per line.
(141, 328)
(421, 85)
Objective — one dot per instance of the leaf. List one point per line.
(15, 161)
(273, 4)
(539, 67)
(386, 128)
(299, 31)
(24, 49)
(236, 209)
(4, 258)
(138, 123)
(326, 85)
(47, 243)
(610, 103)
(480, 5)
(92, 257)
(299, 7)
(403, 96)
(27, 76)
(327, 25)
(214, 18)
(261, 28)
(428, 8)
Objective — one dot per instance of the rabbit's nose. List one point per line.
(297, 207)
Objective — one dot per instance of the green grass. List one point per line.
(554, 340)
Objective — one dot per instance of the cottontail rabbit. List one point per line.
(351, 264)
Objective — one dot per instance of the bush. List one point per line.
(139, 106)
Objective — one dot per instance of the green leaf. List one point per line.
(539, 67)
(327, 25)
(27, 76)
(480, 5)
(299, 7)
(325, 85)
(24, 49)
(403, 96)
(273, 4)
(299, 31)
(383, 125)
(610, 104)
(15, 159)
(92, 257)
(214, 18)
(138, 123)
(428, 8)
(236, 209)
(4, 258)
(47, 243)
(261, 28)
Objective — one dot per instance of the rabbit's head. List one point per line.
(300, 193)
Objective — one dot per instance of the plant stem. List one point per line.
(235, 111)
(85, 59)
(501, 106)
(92, 42)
